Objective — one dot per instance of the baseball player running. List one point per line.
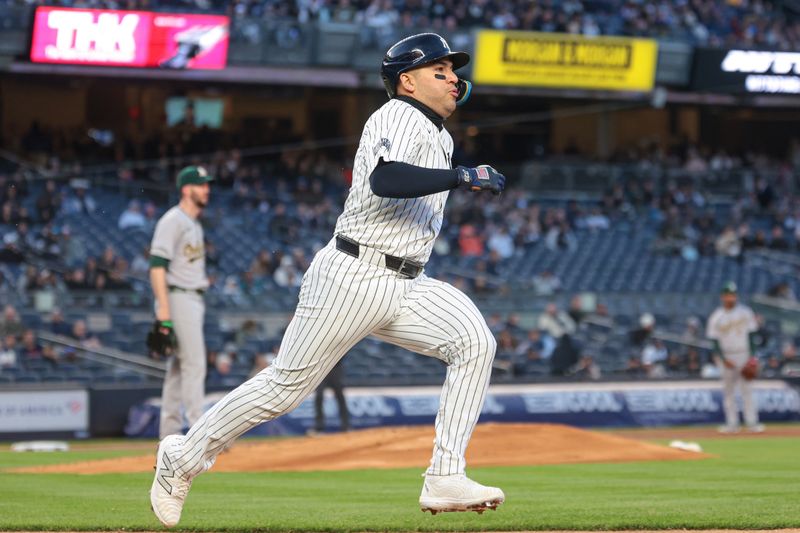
(370, 280)
(178, 278)
(730, 327)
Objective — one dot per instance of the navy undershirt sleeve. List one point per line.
(401, 180)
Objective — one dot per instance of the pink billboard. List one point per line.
(129, 38)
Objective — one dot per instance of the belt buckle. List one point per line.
(402, 268)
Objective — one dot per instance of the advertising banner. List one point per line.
(746, 71)
(582, 405)
(532, 59)
(129, 38)
(32, 411)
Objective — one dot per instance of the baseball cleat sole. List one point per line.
(460, 508)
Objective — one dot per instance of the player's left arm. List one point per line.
(396, 179)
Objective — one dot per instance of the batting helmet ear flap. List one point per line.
(464, 91)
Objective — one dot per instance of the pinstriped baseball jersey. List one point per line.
(403, 227)
(179, 238)
(345, 298)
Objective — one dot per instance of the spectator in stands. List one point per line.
(283, 227)
(760, 240)
(546, 283)
(633, 366)
(140, 264)
(263, 265)
(470, 242)
(772, 367)
(287, 275)
(31, 350)
(108, 260)
(11, 251)
(132, 217)
(789, 355)
(778, 240)
(73, 250)
(674, 364)
(654, 358)
(80, 201)
(48, 203)
(501, 242)
(694, 330)
(765, 193)
(728, 243)
(223, 364)
(212, 254)
(560, 237)
(300, 259)
(250, 285)
(9, 214)
(596, 220)
(693, 361)
(75, 280)
(21, 237)
(641, 336)
(560, 327)
(5, 287)
(531, 348)
(11, 324)
(556, 322)
(85, 338)
(782, 291)
(117, 279)
(586, 368)
(57, 323)
(8, 352)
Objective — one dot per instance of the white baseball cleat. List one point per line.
(756, 428)
(169, 488)
(442, 494)
(728, 429)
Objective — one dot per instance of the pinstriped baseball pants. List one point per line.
(342, 300)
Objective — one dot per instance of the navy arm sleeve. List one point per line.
(401, 180)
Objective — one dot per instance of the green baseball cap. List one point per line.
(729, 288)
(193, 175)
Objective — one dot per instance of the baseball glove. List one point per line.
(750, 369)
(161, 340)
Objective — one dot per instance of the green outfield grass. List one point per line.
(752, 483)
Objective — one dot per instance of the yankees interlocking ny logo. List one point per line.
(166, 472)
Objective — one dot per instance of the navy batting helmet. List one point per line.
(416, 51)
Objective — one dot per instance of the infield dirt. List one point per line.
(399, 447)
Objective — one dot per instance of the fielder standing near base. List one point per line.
(178, 278)
(731, 328)
(369, 280)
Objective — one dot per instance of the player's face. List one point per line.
(199, 194)
(435, 86)
(728, 300)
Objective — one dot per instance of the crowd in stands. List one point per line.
(560, 344)
(300, 193)
(757, 23)
(583, 341)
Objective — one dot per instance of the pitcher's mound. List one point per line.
(398, 447)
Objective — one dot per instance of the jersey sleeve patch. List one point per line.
(384, 145)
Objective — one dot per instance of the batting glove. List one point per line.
(481, 178)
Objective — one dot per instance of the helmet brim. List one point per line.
(459, 59)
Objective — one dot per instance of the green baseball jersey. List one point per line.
(178, 239)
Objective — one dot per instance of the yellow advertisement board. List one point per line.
(558, 60)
